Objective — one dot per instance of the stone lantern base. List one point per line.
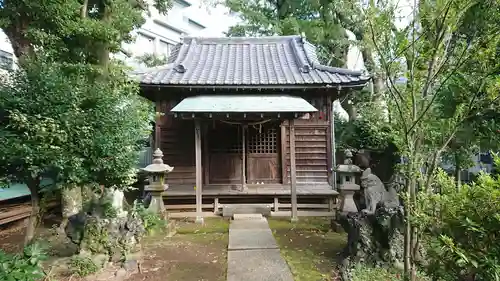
(347, 203)
(156, 205)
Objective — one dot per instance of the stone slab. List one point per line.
(250, 224)
(241, 239)
(257, 265)
(229, 211)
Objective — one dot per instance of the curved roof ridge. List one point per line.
(317, 65)
(181, 63)
(300, 57)
(241, 40)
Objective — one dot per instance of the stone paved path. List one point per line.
(253, 254)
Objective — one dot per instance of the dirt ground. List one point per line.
(195, 253)
(198, 253)
(310, 248)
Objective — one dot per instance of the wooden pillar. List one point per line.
(243, 159)
(199, 171)
(205, 155)
(329, 141)
(284, 169)
(157, 137)
(216, 205)
(293, 172)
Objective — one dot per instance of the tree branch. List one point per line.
(431, 102)
(398, 94)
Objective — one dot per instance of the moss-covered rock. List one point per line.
(101, 232)
(373, 239)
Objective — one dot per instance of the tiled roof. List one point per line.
(245, 61)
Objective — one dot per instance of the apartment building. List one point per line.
(160, 32)
(7, 58)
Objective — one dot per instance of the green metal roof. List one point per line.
(16, 190)
(242, 103)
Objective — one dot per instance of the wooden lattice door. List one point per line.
(263, 161)
(225, 153)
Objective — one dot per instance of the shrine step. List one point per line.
(229, 210)
(247, 217)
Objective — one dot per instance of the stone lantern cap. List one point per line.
(158, 167)
(348, 168)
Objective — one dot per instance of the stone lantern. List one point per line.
(156, 174)
(347, 173)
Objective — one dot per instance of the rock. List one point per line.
(374, 239)
(74, 228)
(105, 234)
(116, 197)
(131, 265)
(100, 260)
(121, 274)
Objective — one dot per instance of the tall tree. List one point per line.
(68, 86)
(81, 30)
(314, 18)
(448, 55)
(325, 23)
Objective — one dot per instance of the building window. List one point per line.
(164, 48)
(486, 158)
(6, 60)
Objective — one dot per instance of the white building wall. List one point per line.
(186, 18)
(7, 58)
(161, 32)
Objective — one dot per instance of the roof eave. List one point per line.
(357, 84)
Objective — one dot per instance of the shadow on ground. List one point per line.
(195, 253)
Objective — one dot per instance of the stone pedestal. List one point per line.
(347, 204)
(156, 205)
(374, 239)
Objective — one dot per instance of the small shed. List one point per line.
(247, 121)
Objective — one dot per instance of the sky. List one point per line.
(219, 18)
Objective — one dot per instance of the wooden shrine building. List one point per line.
(247, 121)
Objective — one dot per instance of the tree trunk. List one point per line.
(103, 51)
(414, 232)
(350, 108)
(84, 9)
(458, 170)
(33, 186)
(21, 46)
(407, 235)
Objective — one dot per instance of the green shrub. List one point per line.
(83, 266)
(462, 228)
(109, 211)
(152, 222)
(364, 273)
(25, 266)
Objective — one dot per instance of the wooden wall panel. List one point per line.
(310, 153)
(312, 146)
(177, 143)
